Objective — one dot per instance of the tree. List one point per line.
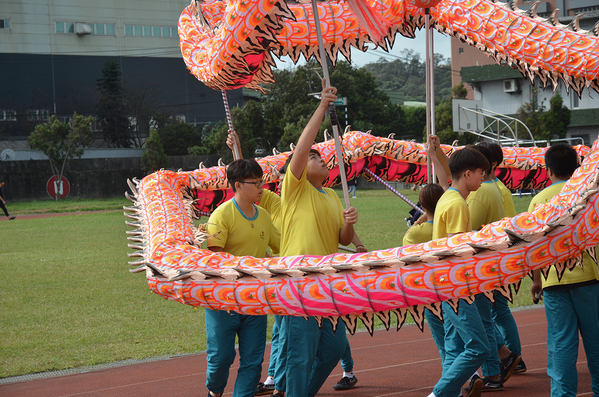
(459, 91)
(62, 141)
(111, 110)
(557, 119)
(154, 158)
(177, 137)
(407, 76)
(545, 125)
(143, 111)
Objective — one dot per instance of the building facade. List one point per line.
(465, 55)
(503, 90)
(52, 53)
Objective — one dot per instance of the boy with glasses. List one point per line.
(241, 228)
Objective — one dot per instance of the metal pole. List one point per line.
(428, 92)
(325, 71)
(431, 50)
(230, 121)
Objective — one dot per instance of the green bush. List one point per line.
(154, 158)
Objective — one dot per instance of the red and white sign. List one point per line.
(56, 187)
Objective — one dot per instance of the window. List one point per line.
(574, 100)
(585, 9)
(8, 115)
(151, 31)
(37, 115)
(65, 27)
(103, 29)
(461, 50)
(4, 23)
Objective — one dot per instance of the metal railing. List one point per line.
(506, 130)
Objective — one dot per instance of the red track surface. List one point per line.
(404, 363)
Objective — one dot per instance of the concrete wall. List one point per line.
(88, 178)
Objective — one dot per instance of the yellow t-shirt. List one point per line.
(485, 204)
(419, 234)
(451, 215)
(311, 219)
(577, 275)
(239, 235)
(508, 199)
(271, 202)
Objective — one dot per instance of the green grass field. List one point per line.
(66, 205)
(68, 299)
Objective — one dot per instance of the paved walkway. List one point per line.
(403, 364)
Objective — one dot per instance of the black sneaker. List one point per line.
(12, 218)
(508, 365)
(520, 368)
(263, 390)
(492, 385)
(346, 383)
(476, 387)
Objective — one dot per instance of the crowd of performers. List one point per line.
(308, 219)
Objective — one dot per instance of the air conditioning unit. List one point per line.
(83, 28)
(510, 85)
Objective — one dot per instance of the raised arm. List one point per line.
(441, 156)
(431, 152)
(306, 140)
(232, 141)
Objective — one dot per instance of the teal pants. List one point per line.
(307, 354)
(221, 329)
(274, 348)
(347, 361)
(504, 320)
(438, 333)
(491, 366)
(570, 311)
(466, 348)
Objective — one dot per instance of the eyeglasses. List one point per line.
(258, 184)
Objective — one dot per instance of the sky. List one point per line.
(442, 45)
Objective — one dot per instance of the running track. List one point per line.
(402, 364)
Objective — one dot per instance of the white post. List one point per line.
(325, 71)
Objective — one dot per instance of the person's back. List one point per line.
(486, 202)
(508, 201)
(487, 205)
(571, 303)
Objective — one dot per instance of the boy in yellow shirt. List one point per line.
(486, 206)
(313, 223)
(572, 303)
(507, 329)
(466, 344)
(240, 228)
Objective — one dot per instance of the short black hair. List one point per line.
(488, 155)
(561, 159)
(466, 159)
(240, 170)
(495, 149)
(429, 196)
(283, 169)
